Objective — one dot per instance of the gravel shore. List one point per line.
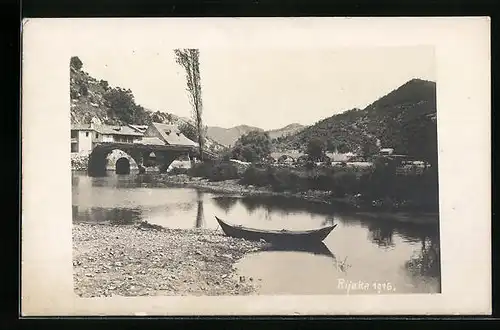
(137, 261)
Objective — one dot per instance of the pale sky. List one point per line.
(264, 88)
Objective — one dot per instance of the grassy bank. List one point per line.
(140, 260)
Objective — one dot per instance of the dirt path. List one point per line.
(132, 261)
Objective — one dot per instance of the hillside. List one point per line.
(285, 131)
(228, 136)
(96, 101)
(395, 120)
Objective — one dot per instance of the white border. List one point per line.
(463, 87)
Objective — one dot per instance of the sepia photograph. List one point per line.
(254, 172)
(205, 170)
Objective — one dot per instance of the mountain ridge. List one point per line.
(385, 122)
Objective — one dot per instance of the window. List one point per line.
(74, 134)
(87, 134)
(74, 147)
(96, 135)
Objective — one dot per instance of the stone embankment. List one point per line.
(79, 162)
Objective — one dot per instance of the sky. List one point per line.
(266, 88)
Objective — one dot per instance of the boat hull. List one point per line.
(281, 237)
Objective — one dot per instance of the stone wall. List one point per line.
(79, 162)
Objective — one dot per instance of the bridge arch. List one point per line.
(142, 154)
(122, 166)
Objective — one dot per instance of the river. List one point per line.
(364, 254)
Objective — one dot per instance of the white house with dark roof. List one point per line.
(169, 134)
(85, 136)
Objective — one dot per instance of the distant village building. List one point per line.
(386, 151)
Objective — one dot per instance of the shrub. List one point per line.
(255, 176)
(344, 182)
(214, 171)
(283, 179)
(178, 170)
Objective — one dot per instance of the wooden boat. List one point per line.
(276, 236)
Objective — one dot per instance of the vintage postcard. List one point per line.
(325, 166)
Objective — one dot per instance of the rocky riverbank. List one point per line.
(140, 260)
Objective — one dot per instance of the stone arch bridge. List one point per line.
(164, 154)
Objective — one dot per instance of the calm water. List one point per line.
(363, 254)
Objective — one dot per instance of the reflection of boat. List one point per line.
(318, 248)
(276, 236)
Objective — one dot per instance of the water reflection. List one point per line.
(317, 249)
(285, 205)
(114, 216)
(226, 203)
(381, 234)
(199, 213)
(425, 264)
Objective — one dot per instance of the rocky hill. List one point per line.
(94, 100)
(285, 131)
(403, 119)
(228, 136)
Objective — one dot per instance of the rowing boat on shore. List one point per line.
(276, 236)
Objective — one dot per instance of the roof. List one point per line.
(151, 140)
(172, 135)
(117, 130)
(81, 127)
(139, 128)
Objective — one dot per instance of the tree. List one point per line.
(252, 146)
(189, 131)
(369, 148)
(342, 148)
(331, 146)
(315, 148)
(104, 84)
(189, 60)
(76, 63)
(419, 139)
(122, 103)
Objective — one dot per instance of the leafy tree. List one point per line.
(342, 148)
(189, 60)
(104, 84)
(315, 148)
(191, 131)
(331, 145)
(252, 147)
(419, 139)
(122, 103)
(369, 148)
(76, 63)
